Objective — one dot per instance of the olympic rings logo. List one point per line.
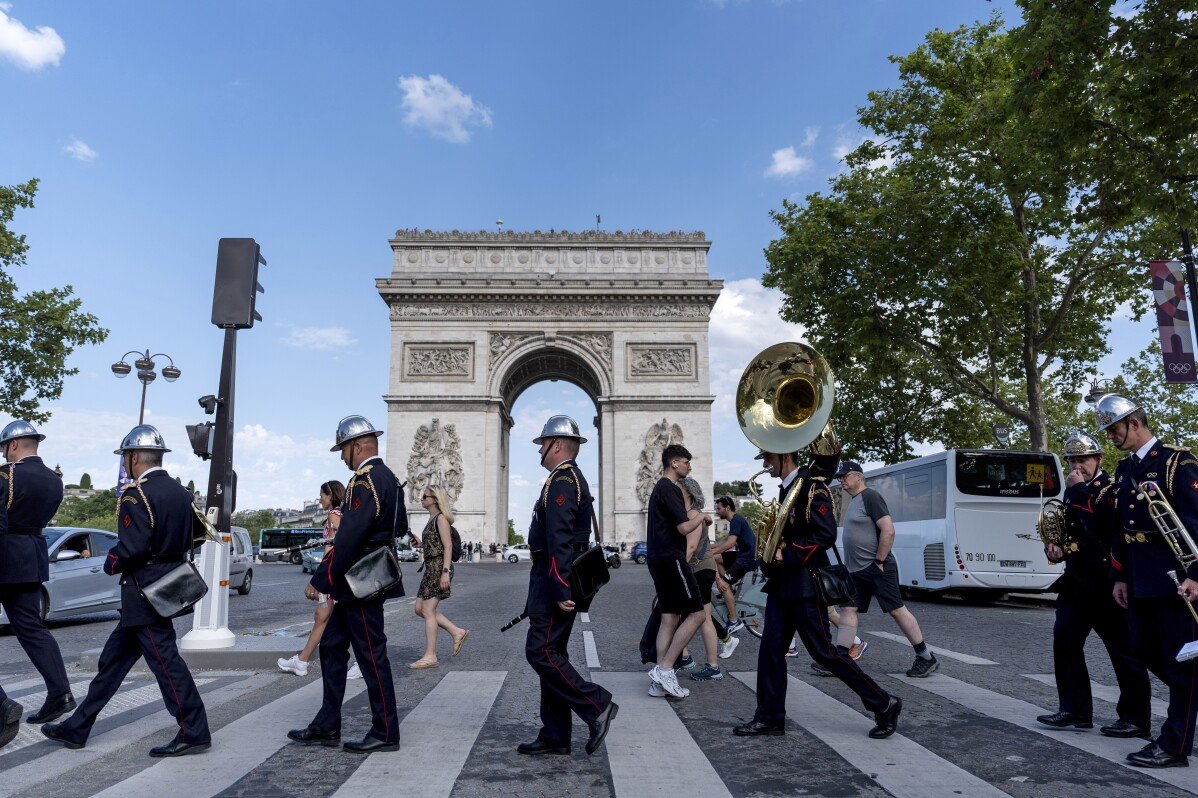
(1180, 368)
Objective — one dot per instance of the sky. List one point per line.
(319, 129)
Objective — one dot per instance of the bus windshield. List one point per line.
(998, 473)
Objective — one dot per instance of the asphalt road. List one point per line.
(947, 733)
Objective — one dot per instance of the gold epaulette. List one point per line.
(365, 469)
(368, 482)
(555, 477)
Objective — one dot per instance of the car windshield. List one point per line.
(51, 535)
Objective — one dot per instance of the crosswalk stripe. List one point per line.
(968, 659)
(121, 702)
(16, 781)
(435, 739)
(585, 617)
(635, 748)
(592, 652)
(901, 766)
(1023, 714)
(238, 748)
(1103, 692)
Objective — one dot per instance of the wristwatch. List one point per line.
(444, 570)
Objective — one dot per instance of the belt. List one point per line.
(23, 529)
(167, 558)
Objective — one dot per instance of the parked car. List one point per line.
(639, 552)
(406, 553)
(78, 584)
(311, 561)
(515, 554)
(241, 571)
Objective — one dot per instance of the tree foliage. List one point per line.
(964, 268)
(254, 521)
(38, 330)
(513, 537)
(94, 512)
(1172, 409)
(85, 481)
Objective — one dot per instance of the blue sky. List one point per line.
(319, 129)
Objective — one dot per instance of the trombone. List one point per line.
(1169, 524)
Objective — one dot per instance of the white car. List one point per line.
(515, 554)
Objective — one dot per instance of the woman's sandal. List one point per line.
(423, 663)
(457, 644)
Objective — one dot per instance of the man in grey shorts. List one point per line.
(868, 539)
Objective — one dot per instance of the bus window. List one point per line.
(917, 495)
(996, 473)
(274, 539)
(939, 489)
(890, 486)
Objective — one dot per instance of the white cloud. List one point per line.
(809, 137)
(320, 339)
(846, 143)
(786, 162)
(29, 49)
(442, 109)
(79, 150)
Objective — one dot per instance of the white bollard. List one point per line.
(210, 623)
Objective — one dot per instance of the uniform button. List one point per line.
(1130, 506)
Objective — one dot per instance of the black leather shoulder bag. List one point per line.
(835, 583)
(179, 589)
(377, 571)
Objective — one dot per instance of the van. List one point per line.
(241, 557)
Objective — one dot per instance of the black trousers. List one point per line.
(22, 605)
(809, 618)
(1078, 613)
(156, 644)
(359, 626)
(1159, 628)
(562, 688)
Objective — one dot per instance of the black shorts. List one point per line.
(677, 590)
(735, 572)
(871, 582)
(706, 581)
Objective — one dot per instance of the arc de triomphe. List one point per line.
(476, 318)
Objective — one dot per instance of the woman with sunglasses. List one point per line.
(332, 494)
(437, 542)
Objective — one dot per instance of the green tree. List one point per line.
(191, 486)
(1172, 409)
(512, 537)
(952, 262)
(751, 512)
(38, 330)
(254, 521)
(85, 481)
(94, 512)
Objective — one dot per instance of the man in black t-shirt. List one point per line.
(671, 537)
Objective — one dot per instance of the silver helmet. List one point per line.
(559, 427)
(1112, 407)
(1079, 444)
(19, 429)
(352, 427)
(141, 438)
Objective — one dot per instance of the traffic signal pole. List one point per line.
(222, 486)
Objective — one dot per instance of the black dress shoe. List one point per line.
(10, 720)
(600, 726)
(1065, 720)
(1123, 728)
(177, 747)
(755, 729)
(539, 746)
(314, 736)
(1151, 756)
(53, 709)
(54, 732)
(887, 719)
(369, 745)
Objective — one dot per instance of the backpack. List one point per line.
(456, 554)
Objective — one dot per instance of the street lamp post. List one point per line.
(145, 373)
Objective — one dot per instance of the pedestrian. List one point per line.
(560, 530)
(1160, 624)
(669, 533)
(868, 554)
(1085, 601)
(372, 517)
(31, 494)
(155, 519)
(740, 541)
(332, 494)
(702, 564)
(793, 605)
(436, 540)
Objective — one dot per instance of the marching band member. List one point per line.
(1160, 624)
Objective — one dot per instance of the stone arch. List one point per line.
(537, 359)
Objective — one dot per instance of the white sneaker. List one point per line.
(657, 691)
(669, 682)
(726, 649)
(793, 651)
(293, 664)
(354, 672)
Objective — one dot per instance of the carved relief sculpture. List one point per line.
(439, 361)
(649, 468)
(501, 342)
(436, 460)
(599, 343)
(549, 309)
(661, 361)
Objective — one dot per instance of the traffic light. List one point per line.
(236, 292)
(201, 436)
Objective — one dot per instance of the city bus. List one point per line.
(965, 520)
(274, 542)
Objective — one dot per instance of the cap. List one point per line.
(143, 437)
(352, 427)
(559, 427)
(19, 429)
(849, 467)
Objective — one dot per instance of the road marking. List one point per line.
(273, 584)
(15, 687)
(586, 617)
(634, 745)
(1103, 692)
(436, 738)
(1022, 714)
(18, 780)
(968, 659)
(588, 644)
(239, 747)
(900, 766)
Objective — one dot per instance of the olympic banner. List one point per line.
(1173, 320)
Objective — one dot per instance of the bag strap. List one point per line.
(836, 553)
(595, 524)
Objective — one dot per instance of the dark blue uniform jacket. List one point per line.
(31, 494)
(155, 522)
(809, 532)
(560, 529)
(1092, 523)
(1143, 557)
(372, 513)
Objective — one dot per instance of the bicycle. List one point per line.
(749, 601)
